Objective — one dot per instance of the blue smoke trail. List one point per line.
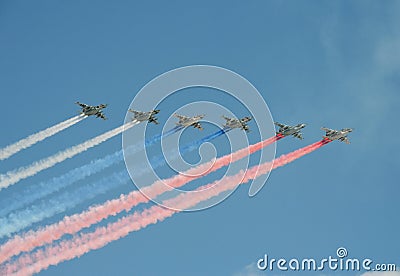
(39, 190)
(19, 220)
(158, 137)
(196, 144)
(159, 160)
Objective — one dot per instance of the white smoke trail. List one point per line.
(14, 176)
(37, 137)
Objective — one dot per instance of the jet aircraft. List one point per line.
(287, 130)
(237, 123)
(340, 135)
(145, 116)
(189, 121)
(90, 110)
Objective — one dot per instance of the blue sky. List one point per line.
(325, 63)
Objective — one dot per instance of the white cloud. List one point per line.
(250, 270)
(371, 83)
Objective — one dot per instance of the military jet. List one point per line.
(90, 110)
(286, 130)
(189, 121)
(237, 123)
(145, 116)
(340, 135)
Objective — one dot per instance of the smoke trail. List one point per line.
(17, 221)
(73, 224)
(208, 138)
(37, 137)
(36, 191)
(21, 219)
(159, 161)
(13, 177)
(101, 236)
(158, 137)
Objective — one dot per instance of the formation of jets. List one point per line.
(330, 135)
(231, 123)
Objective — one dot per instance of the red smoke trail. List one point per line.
(85, 242)
(73, 224)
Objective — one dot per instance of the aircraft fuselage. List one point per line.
(145, 116)
(339, 135)
(234, 124)
(90, 110)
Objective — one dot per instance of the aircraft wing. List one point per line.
(134, 111)
(298, 135)
(246, 128)
(101, 115)
(226, 118)
(280, 125)
(153, 120)
(180, 117)
(82, 104)
(198, 125)
(328, 130)
(345, 139)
